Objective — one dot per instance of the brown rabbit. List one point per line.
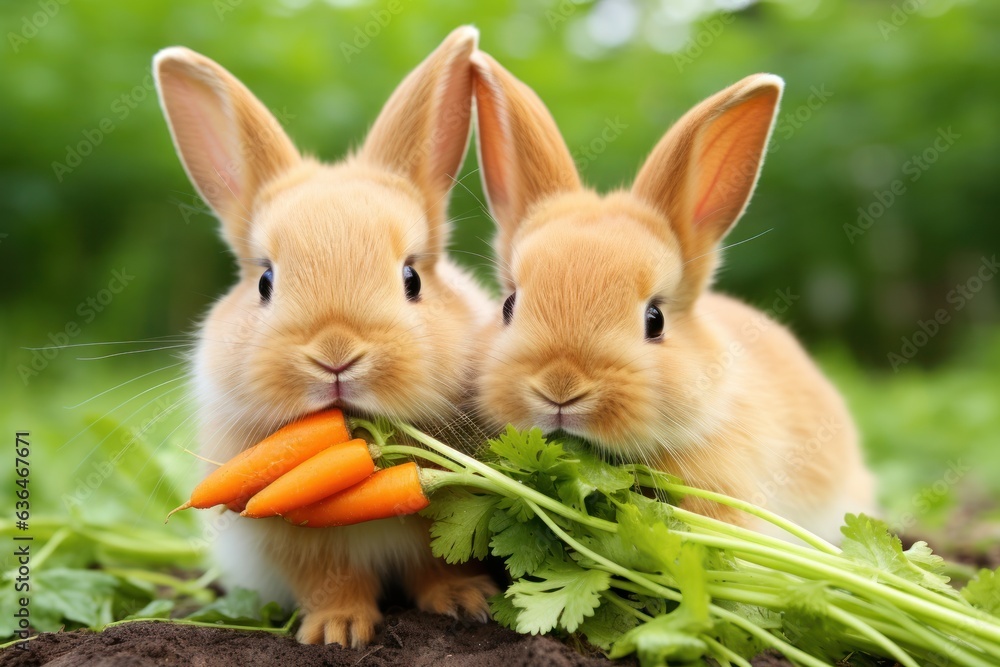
(610, 331)
(345, 297)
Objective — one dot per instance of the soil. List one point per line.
(408, 638)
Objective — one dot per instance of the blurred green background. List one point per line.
(877, 207)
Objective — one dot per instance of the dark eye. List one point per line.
(508, 308)
(411, 283)
(265, 285)
(654, 323)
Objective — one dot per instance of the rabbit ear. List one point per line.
(702, 173)
(521, 153)
(423, 131)
(229, 142)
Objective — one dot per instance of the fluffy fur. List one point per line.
(727, 398)
(338, 328)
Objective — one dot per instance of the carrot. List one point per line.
(389, 492)
(323, 475)
(251, 470)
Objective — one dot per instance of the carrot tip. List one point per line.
(185, 506)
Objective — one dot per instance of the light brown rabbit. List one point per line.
(345, 298)
(610, 331)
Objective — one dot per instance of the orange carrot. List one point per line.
(251, 470)
(323, 475)
(389, 492)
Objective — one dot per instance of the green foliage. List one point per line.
(883, 96)
(984, 591)
(461, 525)
(868, 541)
(637, 576)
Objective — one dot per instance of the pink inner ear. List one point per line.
(206, 138)
(495, 139)
(722, 186)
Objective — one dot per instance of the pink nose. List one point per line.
(337, 370)
(564, 403)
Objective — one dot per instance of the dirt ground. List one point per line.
(408, 638)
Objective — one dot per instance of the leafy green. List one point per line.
(559, 595)
(526, 546)
(608, 623)
(461, 524)
(983, 592)
(632, 574)
(527, 451)
(677, 634)
(868, 541)
(239, 607)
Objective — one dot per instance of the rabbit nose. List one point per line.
(562, 401)
(337, 368)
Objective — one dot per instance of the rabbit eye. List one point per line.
(508, 308)
(411, 283)
(266, 285)
(654, 323)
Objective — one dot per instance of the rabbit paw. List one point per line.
(459, 596)
(350, 628)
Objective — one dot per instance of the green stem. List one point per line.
(191, 587)
(724, 653)
(759, 512)
(890, 647)
(814, 569)
(43, 554)
(617, 601)
(839, 562)
(417, 452)
(513, 487)
(15, 642)
(612, 567)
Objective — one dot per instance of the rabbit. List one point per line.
(346, 298)
(610, 331)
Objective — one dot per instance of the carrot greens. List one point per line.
(602, 551)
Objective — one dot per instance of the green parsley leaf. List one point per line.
(503, 611)
(983, 592)
(608, 623)
(868, 541)
(585, 474)
(563, 595)
(525, 546)
(461, 524)
(528, 451)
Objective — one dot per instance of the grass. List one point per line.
(105, 470)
